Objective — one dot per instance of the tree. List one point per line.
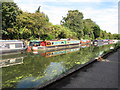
(101, 34)
(34, 23)
(6, 1)
(58, 32)
(96, 31)
(74, 21)
(116, 36)
(38, 10)
(9, 13)
(110, 36)
(88, 28)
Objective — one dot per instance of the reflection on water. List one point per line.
(50, 72)
(11, 61)
(36, 69)
(60, 52)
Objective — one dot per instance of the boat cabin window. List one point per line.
(34, 43)
(4, 46)
(18, 45)
(7, 45)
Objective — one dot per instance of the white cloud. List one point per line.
(55, 13)
(57, 1)
(90, 1)
(106, 18)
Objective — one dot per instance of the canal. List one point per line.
(35, 69)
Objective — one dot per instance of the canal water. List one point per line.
(33, 69)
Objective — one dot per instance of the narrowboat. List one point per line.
(53, 42)
(62, 43)
(59, 42)
(110, 41)
(35, 44)
(105, 42)
(9, 46)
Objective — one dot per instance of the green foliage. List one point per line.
(47, 37)
(116, 36)
(32, 22)
(59, 32)
(38, 10)
(74, 21)
(6, 1)
(50, 37)
(105, 35)
(88, 29)
(9, 13)
(117, 44)
(96, 31)
(110, 36)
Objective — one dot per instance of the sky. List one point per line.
(102, 12)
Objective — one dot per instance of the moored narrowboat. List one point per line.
(34, 42)
(110, 41)
(73, 42)
(59, 42)
(105, 42)
(96, 42)
(9, 46)
(53, 42)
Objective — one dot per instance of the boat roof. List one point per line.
(35, 41)
(10, 40)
